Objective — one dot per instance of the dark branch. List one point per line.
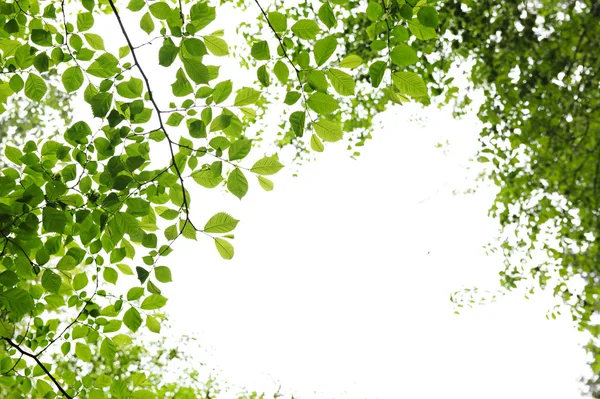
(39, 363)
(154, 104)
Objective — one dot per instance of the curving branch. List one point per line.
(156, 108)
(42, 366)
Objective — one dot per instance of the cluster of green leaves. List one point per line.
(81, 212)
(338, 85)
(23, 119)
(536, 63)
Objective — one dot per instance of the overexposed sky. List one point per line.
(342, 277)
(341, 280)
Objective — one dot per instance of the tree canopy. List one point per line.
(89, 213)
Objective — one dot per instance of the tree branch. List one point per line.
(154, 104)
(39, 363)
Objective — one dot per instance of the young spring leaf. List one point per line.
(324, 48)
(237, 183)
(266, 166)
(220, 223)
(35, 87)
(306, 29)
(72, 78)
(322, 103)
(351, 61)
(341, 82)
(410, 83)
(328, 130)
(224, 248)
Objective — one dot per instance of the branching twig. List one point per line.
(42, 366)
(155, 105)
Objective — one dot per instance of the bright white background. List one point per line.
(342, 277)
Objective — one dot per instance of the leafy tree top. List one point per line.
(81, 211)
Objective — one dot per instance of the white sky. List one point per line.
(341, 280)
(331, 289)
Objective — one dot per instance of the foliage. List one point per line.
(536, 63)
(82, 211)
(23, 118)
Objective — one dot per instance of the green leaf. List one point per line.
(278, 21)
(324, 48)
(195, 69)
(136, 5)
(51, 281)
(206, 178)
(167, 53)
(154, 302)
(222, 91)
(66, 263)
(35, 87)
(83, 352)
(132, 319)
(297, 122)
(220, 122)
(291, 97)
(124, 51)
(421, 32)
(131, 89)
(377, 72)
(16, 83)
(239, 149)
(54, 220)
(152, 324)
(281, 71)
(316, 144)
(80, 281)
(224, 248)
(322, 103)
(328, 130)
(108, 349)
(109, 274)
(220, 223)
(147, 23)
(13, 154)
(182, 86)
(7, 330)
(163, 274)
(17, 301)
(266, 166)
(428, 17)
(351, 61)
(174, 119)
(374, 11)
(410, 83)
(160, 10)
(135, 293)
(265, 183)
(72, 78)
(95, 41)
(260, 51)
(327, 16)
(85, 20)
(341, 82)
(195, 47)
(406, 12)
(246, 96)
(101, 104)
(237, 183)
(306, 29)
(105, 66)
(404, 55)
(216, 45)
